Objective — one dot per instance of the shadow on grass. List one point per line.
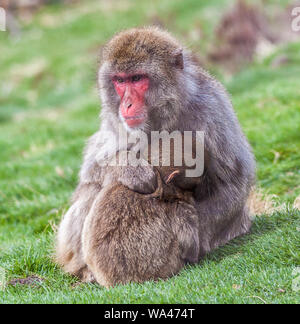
(261, 226)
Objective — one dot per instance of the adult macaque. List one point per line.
(148, 82)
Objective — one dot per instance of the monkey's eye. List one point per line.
(136, 78)
(119, 80)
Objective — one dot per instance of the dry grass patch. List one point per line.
(261, 203)
(297, 203)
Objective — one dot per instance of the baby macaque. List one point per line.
(133, 237)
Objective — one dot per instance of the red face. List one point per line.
(131, 89)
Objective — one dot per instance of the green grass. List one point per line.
(48, 108)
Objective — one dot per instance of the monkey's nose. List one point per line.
(129, 106)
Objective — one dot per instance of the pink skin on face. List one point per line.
(131, 89)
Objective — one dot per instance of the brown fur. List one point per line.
(181, 97)
(131, 237)
(128, 49)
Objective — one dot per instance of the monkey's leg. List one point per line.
(89, 238)
(69, 248)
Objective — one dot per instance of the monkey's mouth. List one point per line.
(135, 121)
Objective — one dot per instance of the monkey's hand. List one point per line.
(140, 179)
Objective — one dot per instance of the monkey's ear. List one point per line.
(177, 59)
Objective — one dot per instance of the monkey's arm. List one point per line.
(104, 164)
(186, 229)
(141, 179)
(221, 198)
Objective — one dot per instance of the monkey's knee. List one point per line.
(69, 256)
(70, 262)
(63, 253)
